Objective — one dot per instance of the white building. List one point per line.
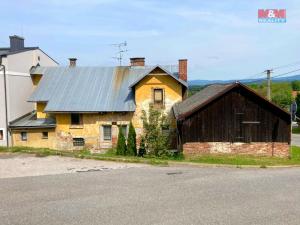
(17, 61)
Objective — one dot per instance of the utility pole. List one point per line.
(269, 84)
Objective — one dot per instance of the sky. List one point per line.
(221, 39)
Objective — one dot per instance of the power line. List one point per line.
(287, 65)
(279, 75)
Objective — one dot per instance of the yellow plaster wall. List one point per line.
(90, 130)
(144, 91)
(35, 138)
(36, 79)
(40, 107)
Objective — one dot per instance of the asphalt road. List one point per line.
(154, 195)
(296, 139)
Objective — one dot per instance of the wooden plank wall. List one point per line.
(238, 116)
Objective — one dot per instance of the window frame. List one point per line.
(78, 142)
(24, 138)
(155, 103)
(104, 137)
(45, 136)
(79, 119)
(3, 134)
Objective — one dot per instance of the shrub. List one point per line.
(142, 149)
(121, 145)
(156, 142)
(131, 141)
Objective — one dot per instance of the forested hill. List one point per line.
(278, 79)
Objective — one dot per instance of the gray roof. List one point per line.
(7, 51)
(30, 121)
(199, 98)
(91, 89)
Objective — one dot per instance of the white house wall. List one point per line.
(19, 84)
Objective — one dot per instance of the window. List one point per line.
(76, 119)
(107, 133)
(158, 97)
(24, 136)
(124, 130)
(78, 142)
(1, 135)
(45, 135)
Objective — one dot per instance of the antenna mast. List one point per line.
(121, 50)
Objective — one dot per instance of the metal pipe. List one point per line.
(2, 67)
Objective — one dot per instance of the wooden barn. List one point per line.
(234, 119)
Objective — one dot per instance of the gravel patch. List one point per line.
(23, 165)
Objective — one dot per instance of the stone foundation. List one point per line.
(255, 148)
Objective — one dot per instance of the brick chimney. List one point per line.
(72, 62)
(182, 69)
(16, 43)
(137, 61)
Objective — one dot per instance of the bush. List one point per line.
(296, 85)
(156, 142)
(121, 145)
(142, 149)
(131, 141)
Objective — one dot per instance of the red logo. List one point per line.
(271, 15)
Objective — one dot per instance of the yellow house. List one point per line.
(80, 107)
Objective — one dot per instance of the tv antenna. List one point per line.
(121, 50)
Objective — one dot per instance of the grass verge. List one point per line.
(237, 160)
(84, 154)
(296, 130)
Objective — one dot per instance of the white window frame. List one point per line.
(22, 136)
(107, 125)
(4, 134)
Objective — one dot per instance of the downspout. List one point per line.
(2, 67)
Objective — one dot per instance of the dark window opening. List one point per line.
(76, 119)
(1, 135)
(24, 136)
(107, 133)
(158, 97)
(45, 135)
(78, 142)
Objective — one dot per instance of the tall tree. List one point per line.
(131, 141)
(121, 145)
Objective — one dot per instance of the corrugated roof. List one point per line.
(30, 121)
(90, 89)
(199, 98)
(212, 92)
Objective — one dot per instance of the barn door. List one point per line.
(239, 131)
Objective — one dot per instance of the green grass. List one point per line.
(240, 160)
(296, 130)
(110, 155)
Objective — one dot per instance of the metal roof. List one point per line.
(205, 96)
(198, 98)
(7, 51)
(90, 89)
(30, 121)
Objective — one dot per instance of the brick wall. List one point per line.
(256, 148)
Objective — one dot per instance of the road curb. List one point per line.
(206, 165)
